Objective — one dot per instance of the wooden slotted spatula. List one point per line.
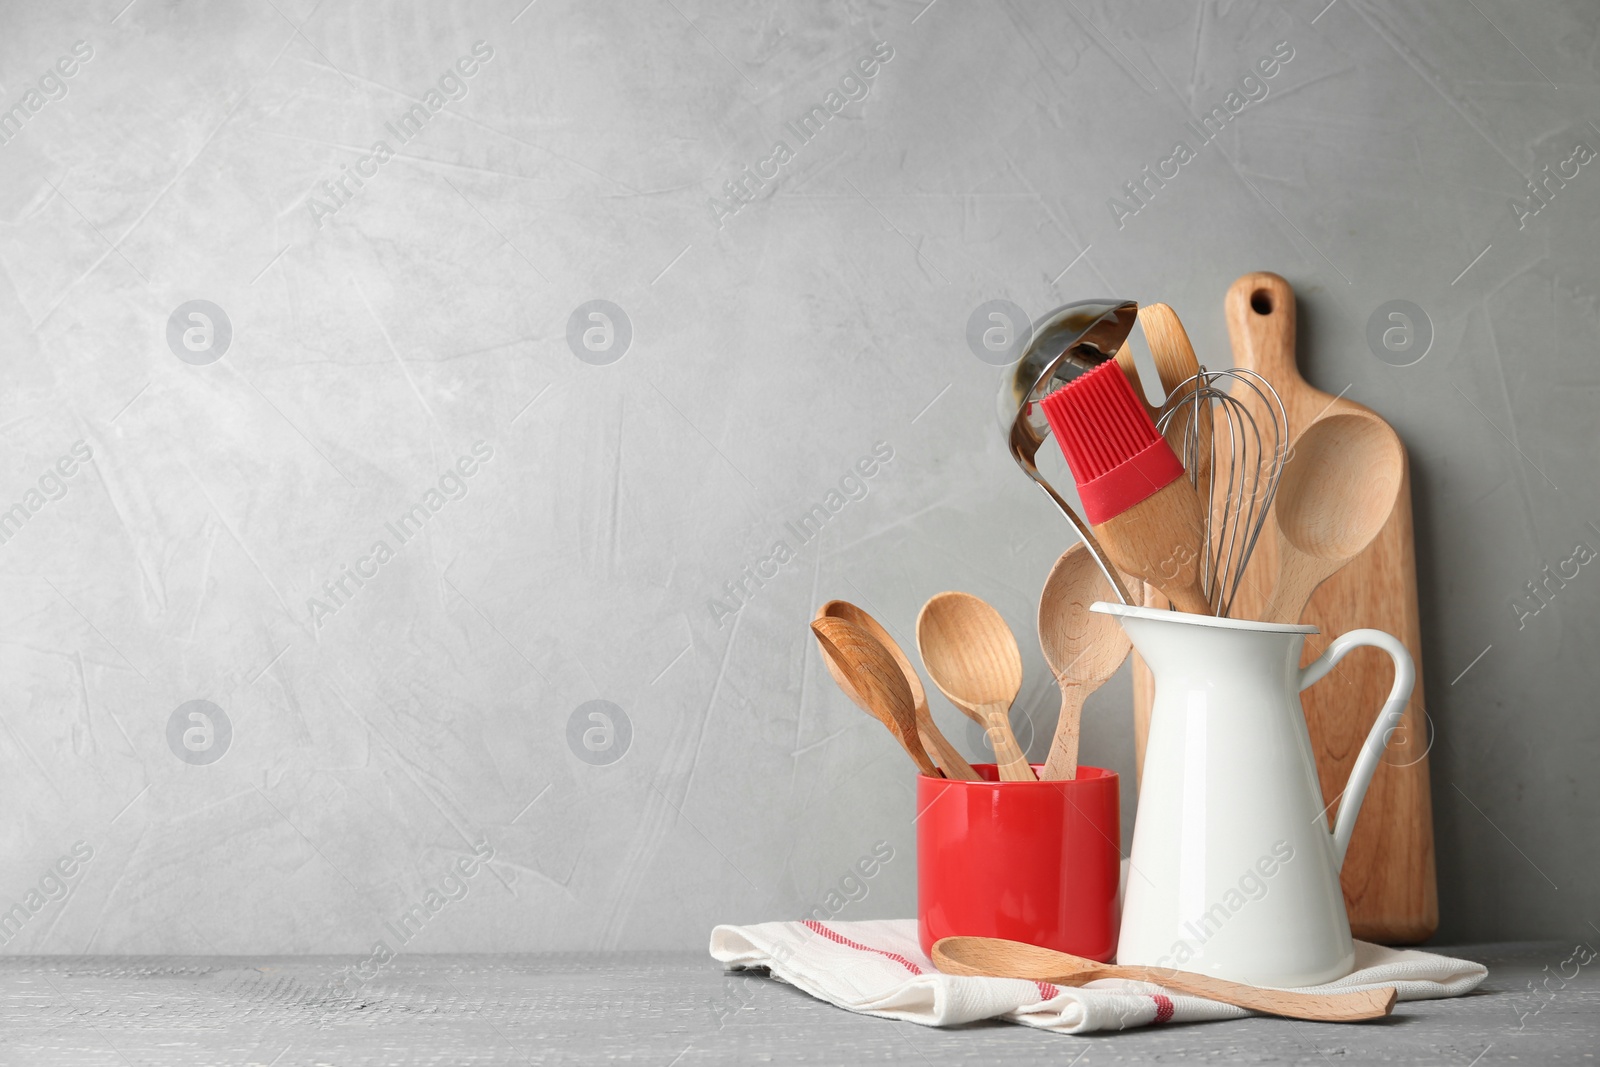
(998, 958)
(1176, 363)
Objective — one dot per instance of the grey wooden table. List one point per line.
(681, 1009)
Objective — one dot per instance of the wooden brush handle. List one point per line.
(1160, 540)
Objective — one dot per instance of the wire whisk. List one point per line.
(1214, 421)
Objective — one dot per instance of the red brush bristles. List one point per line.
(1117, 455)
(1099, 421)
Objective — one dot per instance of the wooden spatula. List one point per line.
(1176, 363)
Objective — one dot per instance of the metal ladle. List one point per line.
(1069, 341)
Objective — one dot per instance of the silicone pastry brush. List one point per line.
(1145, 514)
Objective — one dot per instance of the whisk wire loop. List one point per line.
(1236, 472)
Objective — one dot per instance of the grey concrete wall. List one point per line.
(423, 742)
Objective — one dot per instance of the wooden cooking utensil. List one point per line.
(1125, 361)
(1337, 491)
(972, 657)
(1388, 875)
(1013, 959)
(1175, 363)
(1165, 532)
(1142, 509)
(873, 680)
(1082, 647)
(934, 742)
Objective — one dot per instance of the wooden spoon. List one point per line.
(870, 677)
(1338, 488)
(937, 745)
(1082, 647)
(972, 657)
(1013, 959)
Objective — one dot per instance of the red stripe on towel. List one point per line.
(1047, 991)
(1163, 1007)
(840, 939)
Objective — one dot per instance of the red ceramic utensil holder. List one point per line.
(1037, 862)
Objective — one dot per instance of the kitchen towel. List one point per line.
(877, 968)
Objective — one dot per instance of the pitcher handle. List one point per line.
(1405, 676)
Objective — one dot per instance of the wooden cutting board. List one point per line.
(1388, 877)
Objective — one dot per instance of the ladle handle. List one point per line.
(1405, 676)
(1086, 535)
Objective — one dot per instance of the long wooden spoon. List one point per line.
(934, 741)
(1082, 647)
(870, 677)
(1338, 488)
(1013, 959)
(972, 657)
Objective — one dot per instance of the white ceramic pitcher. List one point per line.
(1233, 871)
